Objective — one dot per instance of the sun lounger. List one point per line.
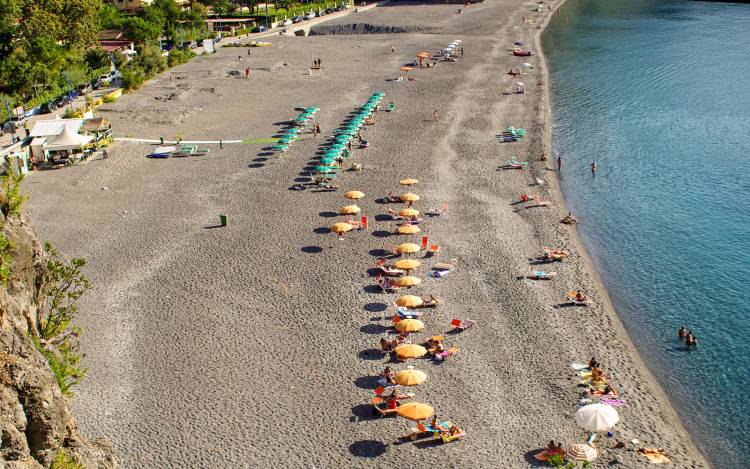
(447, 437)
(450, 265)
(462, 325)
(429, 302)
(571, 295)
(406, 313)
(436, 212)
(432, 251)
(386, 285)
(380, 405)
(381, 265)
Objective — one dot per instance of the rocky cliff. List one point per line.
(38, 429)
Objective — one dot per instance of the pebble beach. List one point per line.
(256, 344)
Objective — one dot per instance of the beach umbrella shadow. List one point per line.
(328, 214)
(371, 354)
(382, 234)
(379, 253)
(373, 329)
(372, 289)
(368, 448)
(375, 307)
(532, 461)
(366, 382)
(312, 249)
(322, 230)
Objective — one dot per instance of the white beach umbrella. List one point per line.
(597, 417)
(526, 65)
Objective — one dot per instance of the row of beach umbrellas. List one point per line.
(291, 134)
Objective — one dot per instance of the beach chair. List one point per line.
(363, 223)
(391, 107)
(386, 285)
(460, 325)
(432, 251)
(448, 266)
(447, 437)
(405, 313)
(425, 240)
(541, 275)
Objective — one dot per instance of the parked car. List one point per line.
(85, 88)
(297, 19)
(310, 15)
(331, 10)
(104, 80)
(189, 45)
(46, 108)
(286, 23)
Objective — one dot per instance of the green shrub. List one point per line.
(177, 57)
(66, 286)
(132, 79)
(64, 364)
(109, 99)
(6, 259)
(556, 460)
(11, 199)
(69, 113)
(63, 461)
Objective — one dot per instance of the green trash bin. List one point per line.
(223, 219)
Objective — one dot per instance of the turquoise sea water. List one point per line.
(658, 94)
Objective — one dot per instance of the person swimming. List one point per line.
(682, 333)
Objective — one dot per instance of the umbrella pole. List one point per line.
(591, 438)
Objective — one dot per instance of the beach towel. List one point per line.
(613, 402)
(579, 366)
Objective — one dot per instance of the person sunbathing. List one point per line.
(392, 197)
(387, 375)
(593, 363)
(454, 430)
(580, 297)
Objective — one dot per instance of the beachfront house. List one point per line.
(59, 141)
(15, 157)
(114, 40)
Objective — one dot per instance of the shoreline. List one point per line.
(655, 386)
(194, 330)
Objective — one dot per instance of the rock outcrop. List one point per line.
(37, 426)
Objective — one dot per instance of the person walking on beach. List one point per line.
(435, 115)
(247, 72)
(393, 48)
(559, 163)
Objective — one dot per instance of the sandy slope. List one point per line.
(256, 344)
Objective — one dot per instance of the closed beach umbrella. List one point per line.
(350, 210)
(408, 182)
(597, 417)
(581, 452)
(354, 195)
(410, 377)
(409, 197)
(408, 229)
(407, 248)
(415, 411)
(409, 301)
(409, 212)
(409, 325)
(408, 281)
(410, 351)
(407, 264)
(341, 227)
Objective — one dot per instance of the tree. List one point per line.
(140, 30)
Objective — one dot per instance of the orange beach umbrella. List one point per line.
(409, 197)
(341, 227)
(409, 212)
(415, 411)
(409, 325)
(408, 281)
(350, 210)
(408, 229)
(409, 301)
(410, 351)
(407, 248)
(354, 195)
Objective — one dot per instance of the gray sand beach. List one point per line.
(256, 345)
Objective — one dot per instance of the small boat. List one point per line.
(162, 152)
(522, 53)
(190, 150)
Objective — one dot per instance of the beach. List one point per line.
(257, 343)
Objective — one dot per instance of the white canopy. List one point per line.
(68, 140)
(597, 417)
